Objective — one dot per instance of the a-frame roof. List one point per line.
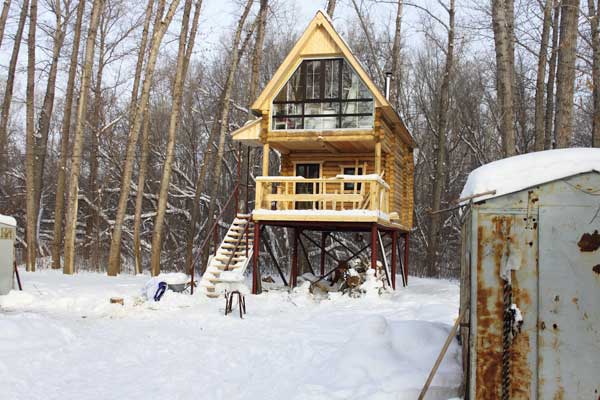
(319, 40)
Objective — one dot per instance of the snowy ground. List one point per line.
(61, 339)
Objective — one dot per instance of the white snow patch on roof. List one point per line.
(6, 220)
(524, 171)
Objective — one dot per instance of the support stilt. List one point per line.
(255, 272)
(406, 251)
(374, 247)
(322, 247)
(394, 258)
(294, 268)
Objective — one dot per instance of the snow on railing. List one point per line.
(342, 193)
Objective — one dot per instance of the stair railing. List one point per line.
(206, 240)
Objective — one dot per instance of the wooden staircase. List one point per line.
(226, 268)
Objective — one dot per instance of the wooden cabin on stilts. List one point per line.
(346, 162)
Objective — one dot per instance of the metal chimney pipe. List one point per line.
(388, 84)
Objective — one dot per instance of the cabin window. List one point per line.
(323, 94)
(349, 187)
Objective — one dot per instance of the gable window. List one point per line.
(323, 94)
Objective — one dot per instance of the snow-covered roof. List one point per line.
(6, 220)
(524, 171)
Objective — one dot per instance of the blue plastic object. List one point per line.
(162, 287)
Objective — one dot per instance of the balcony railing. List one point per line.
(342, 193)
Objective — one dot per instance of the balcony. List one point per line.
(344, 198)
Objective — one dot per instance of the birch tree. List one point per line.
(30, 142)
(10, 81)
(550, 84)
(565, 73)
(502, 22)
(441, 132)
(594, 20)
(540, 136)
(3, 18)
(114, 258)
(64, 140)
(174, 120)
(73, 193)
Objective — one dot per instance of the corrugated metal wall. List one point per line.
(7, 245)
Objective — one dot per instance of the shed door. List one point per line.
(569, 303)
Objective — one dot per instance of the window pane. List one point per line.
(349, 122)
(313, 79)
(332, 79)
(365, 122)
(321, 122)
(349, 107)
(365, 107)
(312, 108)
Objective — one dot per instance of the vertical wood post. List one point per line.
(374, 247)
(394, 258)
(406, 252)
(216, 237)
(378, 157)
(239, 179)
(265, 160)
(294, 269)
(323, 240)
(247, 208)
(256, 249)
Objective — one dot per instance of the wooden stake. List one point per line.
(374, 247)
(394, 258)
(322, 247)
(255, 272)
(442, 354)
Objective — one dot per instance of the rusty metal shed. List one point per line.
(530, 281)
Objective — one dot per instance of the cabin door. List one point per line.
(308, 171)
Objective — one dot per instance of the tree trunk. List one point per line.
(10, 82)
(114, 258)
(209, 153)
(175, 110)
(565, 73)
(593, 17)
(3, 18)
(92, 247)
(41, 141)
(549, 118)
(64, 141)
(73, 193)
(440, 162)
(139, 199)
(331, 7)
(540, 136)
(221, 123)
(502, 24)
(396, 68)
(30, 142)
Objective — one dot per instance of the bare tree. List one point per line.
(114, 258)
(565, 73)
(594, 19)
(502, 23)
(396, 68)
(64, 140)
(225, 105)
(73, 193)
(3, 18)
(137, 254)
(168, 164)
(540, 136)
(10, 81)
(549, 116)
(331, 7)
(440, 162)
(30, 142)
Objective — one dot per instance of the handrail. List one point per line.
(374, 194)
(206, 240)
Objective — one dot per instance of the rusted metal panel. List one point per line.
(569, 298)
(498, 236)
